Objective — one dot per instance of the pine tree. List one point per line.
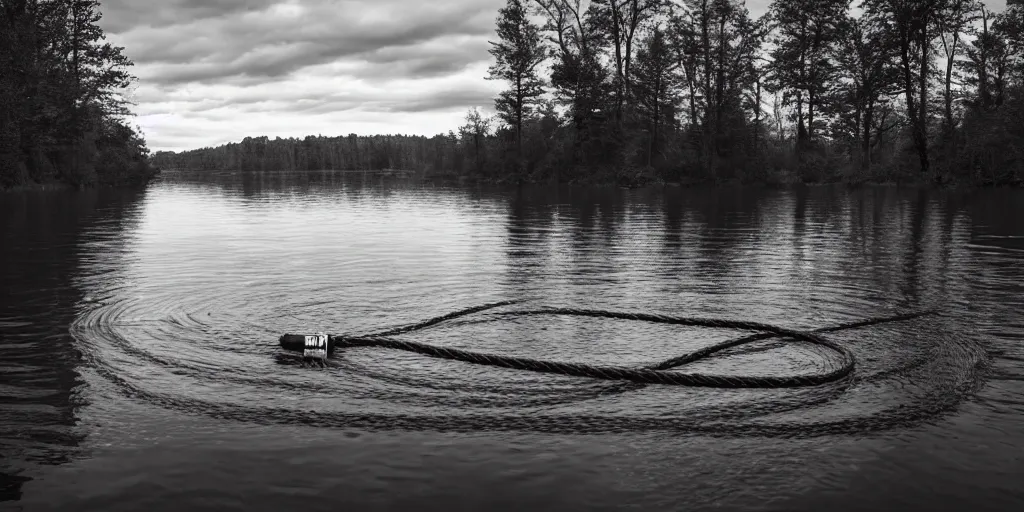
(715, 43)
(518, 53)
(620, 21)
(654, 87)
(804, 37)
(578, 77)
(867, 58)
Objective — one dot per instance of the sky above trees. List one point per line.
(211, 72)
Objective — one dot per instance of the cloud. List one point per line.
(219, 70)
(283, 38)
(443, 93)
(122, 15)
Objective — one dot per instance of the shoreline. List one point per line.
(56, 185)
(658, 183)
(653, 183)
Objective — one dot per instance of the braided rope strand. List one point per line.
(654, 374)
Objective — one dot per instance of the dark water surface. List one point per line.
(139, 368)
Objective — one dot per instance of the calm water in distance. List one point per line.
(139, 367)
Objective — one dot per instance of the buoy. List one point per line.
(297, 342)
(314, 347)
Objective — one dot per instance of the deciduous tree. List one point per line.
(910, 23)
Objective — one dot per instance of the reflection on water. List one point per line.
(175, 299)
(42, 238)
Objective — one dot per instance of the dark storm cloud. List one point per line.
(282, 38)
(382, 102)
(123, 15)
(317, 101)
(424, 60)
(448, 99)
(444, 100)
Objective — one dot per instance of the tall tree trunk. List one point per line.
(720, 73)
(811, 98)
(984, 97)
(75, 68)
(858, 115)
(869, 115)
(909, 89)
(951, 49)
(708, 140)
(801, 129)
(922, 145)
(654, 124)
(619, 74)
(757, 114)
(627, 92)
(802, 134)
(519, 119)
(690, 83)
(476, 152)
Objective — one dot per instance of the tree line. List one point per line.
(696, 90)
(63, 112)
(353, 152)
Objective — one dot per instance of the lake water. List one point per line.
(139, 366)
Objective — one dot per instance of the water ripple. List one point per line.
(186, 316)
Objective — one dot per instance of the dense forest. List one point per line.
(699, 90)
(62, 109)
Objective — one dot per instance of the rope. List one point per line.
(654, 374)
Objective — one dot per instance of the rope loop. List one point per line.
(659, 373)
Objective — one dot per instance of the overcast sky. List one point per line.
(216, 71)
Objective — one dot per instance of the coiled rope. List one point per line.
(653, 374)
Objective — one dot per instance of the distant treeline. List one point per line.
(61, 115)
(698, 90)
(352, 152)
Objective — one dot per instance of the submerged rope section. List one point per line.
(653, 374)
